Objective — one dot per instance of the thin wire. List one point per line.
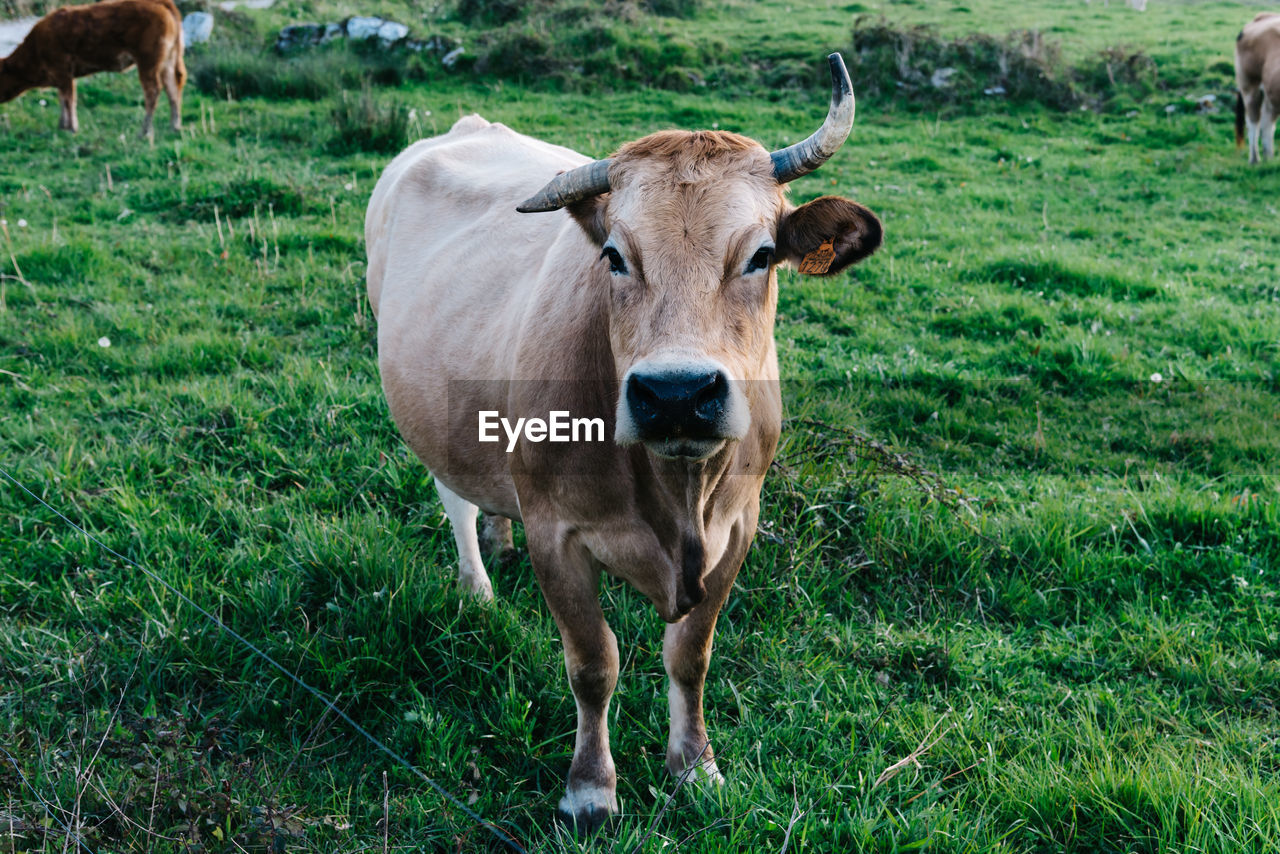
(43, 802)
(499, 833)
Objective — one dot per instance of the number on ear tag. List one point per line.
(819, 260)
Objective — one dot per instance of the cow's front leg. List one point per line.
(570, 583)
(686, 653)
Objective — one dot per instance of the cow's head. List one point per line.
(690, 228)
(13, 80)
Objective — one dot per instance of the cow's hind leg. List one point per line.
(686, 653)
(570, 584)
(67, 106)
(175, 98)
(1267, 124)
(1253, 119)
(462, 517)
(495, 536)
(173, 77)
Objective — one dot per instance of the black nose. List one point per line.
(678, 404)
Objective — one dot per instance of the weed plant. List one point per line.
(360, 123)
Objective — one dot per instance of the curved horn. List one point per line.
(569, 187)
(802, 158)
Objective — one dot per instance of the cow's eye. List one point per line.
(761, 260)
(616, 265)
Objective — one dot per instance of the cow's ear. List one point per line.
(589, 213)
(826, 235)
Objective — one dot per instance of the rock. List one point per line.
(298, 36)
(391, 32)
(363, 28)
(433, 44)
(941, 78)
(450, 59)
(197, 27)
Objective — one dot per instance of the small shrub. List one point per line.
(674, 8)
(569, 45)
(361, 124)
(1119, 71)
(920, 64)
(519, 52)
(492, 12)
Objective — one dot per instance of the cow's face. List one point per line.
(689, 237)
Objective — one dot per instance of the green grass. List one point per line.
(1080, 624)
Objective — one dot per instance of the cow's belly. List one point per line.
(437, 414)
(92, 62)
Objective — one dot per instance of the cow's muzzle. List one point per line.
(680, 412)
(681, 407)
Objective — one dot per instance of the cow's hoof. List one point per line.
(705, 771)
(709, 777)
(587, 822)
(477, 586)
(586, 812)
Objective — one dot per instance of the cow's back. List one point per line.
(106, 36)
(440, 191)
(452, 271)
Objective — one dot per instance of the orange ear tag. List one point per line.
(818, 262)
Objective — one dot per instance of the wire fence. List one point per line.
(501, 835)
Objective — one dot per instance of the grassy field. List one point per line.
(1016, 584)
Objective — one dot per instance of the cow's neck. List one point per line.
(688, 493)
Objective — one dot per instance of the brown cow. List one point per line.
(638, 294)
(1258, 81)
(114, 35)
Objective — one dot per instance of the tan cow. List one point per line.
(113, 35)
(646, 304)
(1258, 81)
